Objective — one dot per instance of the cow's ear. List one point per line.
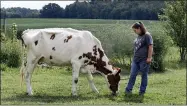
(117, 71)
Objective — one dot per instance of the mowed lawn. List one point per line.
(53, 85)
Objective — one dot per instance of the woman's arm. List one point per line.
(150, 52)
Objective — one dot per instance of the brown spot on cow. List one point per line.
(88, 55)
(52, 36)
(25, 63)
(36, 42)
(95, 50)
(68, 38)
(76, 81)
(53, 49)
(101, 53)
(97, 62)
(85, 61)
(90, 63)
(64, 40)
(80, 57)
(51, 57)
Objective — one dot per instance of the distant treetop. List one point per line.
(92, 9)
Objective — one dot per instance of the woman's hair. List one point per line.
(140, 25)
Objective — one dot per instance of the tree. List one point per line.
(52, 10)
(175, 24)
(83, 10)
(18, 12)
(71, 11)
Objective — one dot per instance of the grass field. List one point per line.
(53, 86)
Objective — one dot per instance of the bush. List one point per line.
(2, 37)
(117, 43)
(161, 44)
(3, 67)
(10, 53)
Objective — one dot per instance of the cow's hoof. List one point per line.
(74, 95)
(114, 94)
(28, 94)
(96, 91)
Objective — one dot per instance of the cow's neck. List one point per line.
(102, 64)
(103, 70)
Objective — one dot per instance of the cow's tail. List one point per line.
(23, 61)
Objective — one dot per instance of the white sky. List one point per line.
(33, 4)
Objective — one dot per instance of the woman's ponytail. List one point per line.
(140, 25)
(142, 28)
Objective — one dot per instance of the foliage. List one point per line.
(10, 49)
(142, 10)
(11, 53)
(3, 67)
(2, 37)
(14, 30)
(126, 9)
(18, 12)
(174, 18)
(52, 10)
(161, 45)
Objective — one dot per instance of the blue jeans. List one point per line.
(143, 67)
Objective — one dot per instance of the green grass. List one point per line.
(53, 86)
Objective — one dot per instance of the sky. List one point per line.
(33, 4)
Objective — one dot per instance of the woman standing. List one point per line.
(143, 49)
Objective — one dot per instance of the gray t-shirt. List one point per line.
(141, 44)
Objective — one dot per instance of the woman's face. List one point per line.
(137, 31)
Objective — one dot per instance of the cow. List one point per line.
(67, 46)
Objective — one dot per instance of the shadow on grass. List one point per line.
(43, 98)
(135, 98)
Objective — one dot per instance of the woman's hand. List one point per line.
(149, 59)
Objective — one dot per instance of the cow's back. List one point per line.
(61, 45)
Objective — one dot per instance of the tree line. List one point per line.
(135, 10)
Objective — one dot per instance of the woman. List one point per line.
(143, 49)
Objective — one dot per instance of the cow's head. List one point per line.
(101, 65)
(113, 79)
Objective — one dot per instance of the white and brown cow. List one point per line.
(62, 46)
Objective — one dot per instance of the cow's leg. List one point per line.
(31, 64)
(28, 74)
(90, 80)
(75, 74)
